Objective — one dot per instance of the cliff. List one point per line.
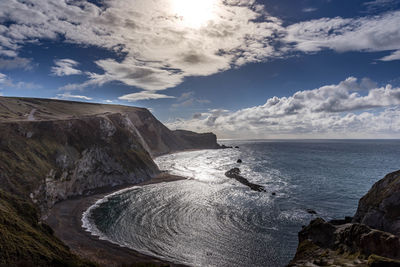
(51, 150)
(52, 160)
(194, 140)
(380, 207)
(371, 238)
(155, 138)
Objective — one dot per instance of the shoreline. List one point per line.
(65, 218)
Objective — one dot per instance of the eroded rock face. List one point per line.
(71, 148)
(372, 238)
(67, 158)
(380, 207)
(350, 244)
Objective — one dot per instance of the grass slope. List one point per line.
(24, 241)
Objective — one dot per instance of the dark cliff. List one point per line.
(194, 140)
(51, 150)
(380, 207)
(371, 238)
(53, 160)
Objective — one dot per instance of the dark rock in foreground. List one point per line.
(353, 244)
(235, 174)
(380, 207)
(371, 238)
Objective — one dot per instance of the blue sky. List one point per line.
(240, 68)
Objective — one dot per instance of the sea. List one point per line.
(211, 220)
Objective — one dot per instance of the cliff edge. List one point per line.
(370, 238)
(51, 150)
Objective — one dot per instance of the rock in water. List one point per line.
(313, 212)
(239, 161)
(232, 172)
(235, 174)
(224, 147)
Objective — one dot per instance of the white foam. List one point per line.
(89, 225)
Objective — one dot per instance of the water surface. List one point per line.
(211, 220)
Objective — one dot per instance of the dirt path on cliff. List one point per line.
(65, 218)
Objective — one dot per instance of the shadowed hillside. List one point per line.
(52, 150)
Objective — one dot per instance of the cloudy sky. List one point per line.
(239, 68)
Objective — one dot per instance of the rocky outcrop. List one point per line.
(371, 238)
(380, 207)
(235, 174)
(324, 244)
(196, 140)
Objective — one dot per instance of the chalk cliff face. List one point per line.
(51, 150)
(371, 238)
(160, 140)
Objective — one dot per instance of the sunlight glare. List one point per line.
(194, 13)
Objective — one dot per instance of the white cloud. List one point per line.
(26, 85)
(65, 67)
(394, 56)
(15, 63)
(3, 78)
(70, 96)
(159, 49)
(162, 47)
(370, 33)
(309, 9)
(144, 95)
(378, 5)
(378, 2)
(332, 111)
(188, 99)
(6, 81)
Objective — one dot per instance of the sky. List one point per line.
(243, 69)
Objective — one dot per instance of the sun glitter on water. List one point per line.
(194, 13)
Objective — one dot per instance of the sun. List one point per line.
(194, 13)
